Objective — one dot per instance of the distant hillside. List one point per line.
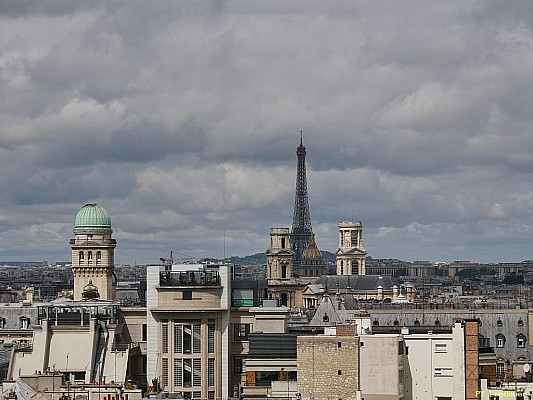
(260, 258)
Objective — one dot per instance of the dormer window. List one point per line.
(24, 322)
(500, 340)
(521, 340)
(90, 236)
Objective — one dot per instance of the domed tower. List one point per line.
(312, 263)
(93, 253)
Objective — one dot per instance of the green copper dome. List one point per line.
(92, 218)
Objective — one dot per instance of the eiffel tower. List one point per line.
(301, 221)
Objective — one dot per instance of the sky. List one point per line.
(182, 119)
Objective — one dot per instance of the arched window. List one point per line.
(98, 257)
(89, 257)
(81, 256)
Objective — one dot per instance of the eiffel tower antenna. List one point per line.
(301, 222)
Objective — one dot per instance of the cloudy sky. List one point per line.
(183, 118)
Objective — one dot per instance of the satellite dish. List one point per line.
(526, 368)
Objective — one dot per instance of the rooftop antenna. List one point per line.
(224, 244)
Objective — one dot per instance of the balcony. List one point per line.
(189, 278)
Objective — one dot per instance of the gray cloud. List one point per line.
(183, 120)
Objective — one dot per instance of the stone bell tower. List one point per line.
(279, 255)
(93, 252)
(351, 253)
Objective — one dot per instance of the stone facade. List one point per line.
(328, 367)
(93, 259)
(279, 255)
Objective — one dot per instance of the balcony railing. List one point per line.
(189, 278)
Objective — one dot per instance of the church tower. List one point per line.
(279, 255)
(93, 253)
(351, 253)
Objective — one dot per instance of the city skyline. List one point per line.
(183, 120)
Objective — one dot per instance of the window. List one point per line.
(164, 372)
(499, 322)
(211, 372)
(165, 338)
(24, 322)
(400, 348)
(196, 372)
(500, 368)
(187, 295)
(238, 365)
(144, 333)
(81, 256)
(520, 322)
(2, 323)
(339, 372)
(417, 322)
(339, 344)
(89, 237)
(187, 373)
(211, 337)
(441, 348)
(500, 340)
(325, 318)
(98, 257)
(241, 332)
(443, 372)
(520, 340)
(282, 243)
(89, 257)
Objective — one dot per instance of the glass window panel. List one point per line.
(197, 372)
(165, 338)
(211, 372)
(211, 338)
(165, 372)
(178, 372)
(187, 339)
(197, 339)
(187, 373)
(178, 339)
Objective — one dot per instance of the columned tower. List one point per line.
(301, 222)
(279, 255)
(93, 253)
(350, 255)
